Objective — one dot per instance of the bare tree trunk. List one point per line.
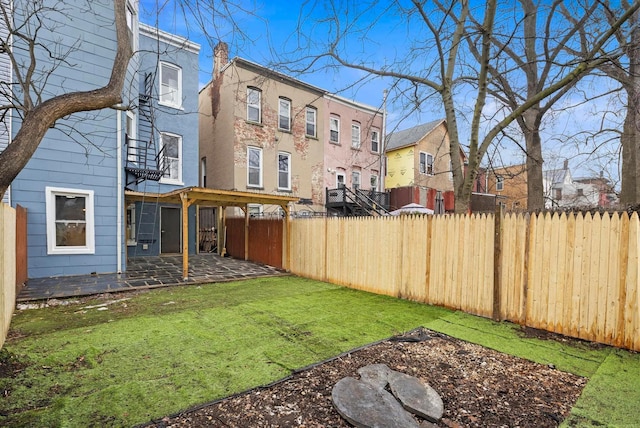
(42, 116)
(630, 142)
(535, 188)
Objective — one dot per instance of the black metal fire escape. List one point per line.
(144, 160)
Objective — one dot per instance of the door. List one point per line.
(170, 232)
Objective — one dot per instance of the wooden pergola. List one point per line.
(202, 196)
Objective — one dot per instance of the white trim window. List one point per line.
(426, 163)
(172, 145)
(132, 143)
(284, 114)
(500, 184)
(334, 130)
(375, 141)
(254, 102)
(355, 135)
(311, 119)
(284, 171)
(374, 180)
(340, 180)
(254, 167)
(70, 221)
(355, 180)
(170, 85)
(132, 25)
(255, 210)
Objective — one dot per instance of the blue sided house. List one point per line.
(89, 188)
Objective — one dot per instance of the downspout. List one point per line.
(383, 141)
(119, 191)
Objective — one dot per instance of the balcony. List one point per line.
(356, 202)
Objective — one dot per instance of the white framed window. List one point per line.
(311, 119)
(355, 180)
(132, 143)
(374, 180)
(172, 157)
(284, 171)
(131, 224)
(70, 221)
(355, 135)
(203, 172)
(450, 170)
(426, 163)
(375, 141)
(340, 180)
(500, 183)
(132, 25)
(284, 114)
(334, 129)
(170, 85)
(254, 167)
(255, 210)
(254, 109)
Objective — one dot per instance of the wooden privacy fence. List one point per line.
(265, 240)
(576, 275)
(7, 268)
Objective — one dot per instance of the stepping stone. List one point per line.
(375, 374)
(416, 397)
(365, 406)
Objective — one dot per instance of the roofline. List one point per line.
(352, 103)
(171, 39)
(415, 143)
(264, 70)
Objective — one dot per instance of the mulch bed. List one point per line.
(480, 388)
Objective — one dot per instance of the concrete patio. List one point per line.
(147, 272)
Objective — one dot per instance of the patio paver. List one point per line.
(147, 272)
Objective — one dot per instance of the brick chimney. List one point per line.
(220, 58)
(566, 164)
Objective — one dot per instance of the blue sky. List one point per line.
(270, 31)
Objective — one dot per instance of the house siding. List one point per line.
(224, 138)
(343, 158)
(86, 158)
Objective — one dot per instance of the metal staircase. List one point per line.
(347, 202)
(144, 160)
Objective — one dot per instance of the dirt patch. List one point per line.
(480, 387)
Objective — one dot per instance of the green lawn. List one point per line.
(169, 349)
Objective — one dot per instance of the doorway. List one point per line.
(170, 230)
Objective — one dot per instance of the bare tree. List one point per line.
(625, 69)
(38, 112)
(532, 55)
(34, 60)
(435, 62)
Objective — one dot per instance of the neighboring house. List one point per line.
(419, 165)
(560, 190)
(74, 185)
(509, 184)
(607, 196)
(353, 149)
(353, 158)
(262, 131)
(164, 125)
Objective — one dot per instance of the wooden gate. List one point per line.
(21, 247)
(265, 240)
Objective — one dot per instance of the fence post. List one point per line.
(497, 263)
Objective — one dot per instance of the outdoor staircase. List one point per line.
(354, 203)
(144, 160)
